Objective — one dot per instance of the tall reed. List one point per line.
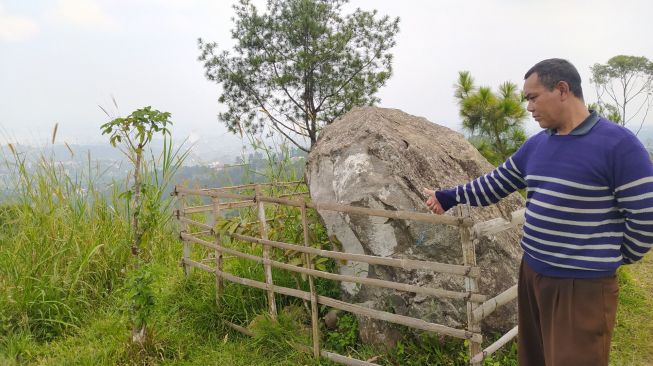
(64, 240)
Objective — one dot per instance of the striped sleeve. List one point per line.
(633, 177)
(487, 189)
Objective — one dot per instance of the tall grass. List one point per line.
(62, 249)
(64, 244)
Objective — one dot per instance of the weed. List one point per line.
(345, 337)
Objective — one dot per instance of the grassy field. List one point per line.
(65, 293)
(633, 339)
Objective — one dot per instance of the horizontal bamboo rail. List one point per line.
(294, 194)
(212, 193)
(344, 360)
(341, 305)
(238, 204)
(205, 226)
(499, 224)
(491, 305)
(400, 215)
(202, 266)
(242, 330)
(208, 208)
(252, 185)
(370, 259)
(454, 269)
(496, 345)
(200, 225)
(346, 278)
(360, 310)
(493, 226)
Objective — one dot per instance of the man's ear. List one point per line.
(563, 88)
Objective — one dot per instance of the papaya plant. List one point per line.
(131, 135)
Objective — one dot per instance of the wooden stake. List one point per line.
(469, 259)
(219, 286)
(181, 204)
(266, 251)
(314, 320)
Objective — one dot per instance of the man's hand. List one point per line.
(432, 202)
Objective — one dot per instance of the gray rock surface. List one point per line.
(381, 158)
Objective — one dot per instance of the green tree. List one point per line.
(299, 66)
(607, 110)
(493, 120)
(133, 133)
(624, 82)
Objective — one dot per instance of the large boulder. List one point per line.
(381, 158)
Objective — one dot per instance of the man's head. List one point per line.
(552, 88)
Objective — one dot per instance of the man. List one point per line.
(589, 209)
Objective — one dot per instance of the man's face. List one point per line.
(544, 104)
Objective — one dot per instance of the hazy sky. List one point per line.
(60, 59)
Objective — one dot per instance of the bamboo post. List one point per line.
(181, 206)
(219, 286)
(469, 259)
(314, 320)
(266, 251)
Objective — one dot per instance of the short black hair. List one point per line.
(550, 72)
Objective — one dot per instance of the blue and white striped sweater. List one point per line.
(589, 204)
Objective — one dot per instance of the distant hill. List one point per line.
(205, 150)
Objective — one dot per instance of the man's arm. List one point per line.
(633, 177)
(482, 191)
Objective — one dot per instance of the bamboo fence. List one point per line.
(477, 305)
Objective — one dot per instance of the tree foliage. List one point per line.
(606, 110)
(299, 66)
(493, 119)
(624, 82)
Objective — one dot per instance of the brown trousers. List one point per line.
(565, 321)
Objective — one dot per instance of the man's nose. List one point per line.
(529, 107)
